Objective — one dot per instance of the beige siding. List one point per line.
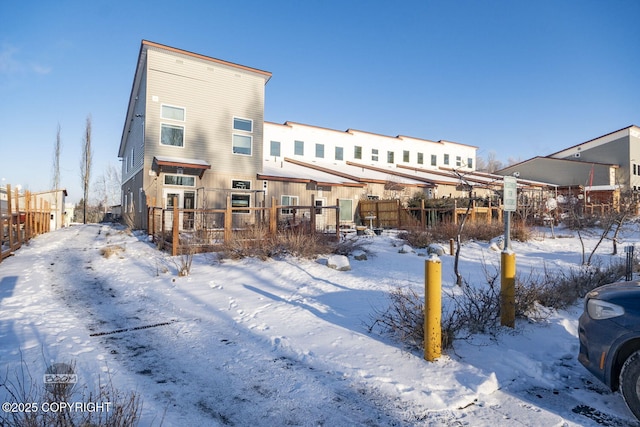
(212, 95)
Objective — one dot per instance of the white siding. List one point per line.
(289, 132)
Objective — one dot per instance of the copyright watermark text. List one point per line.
(55, 407)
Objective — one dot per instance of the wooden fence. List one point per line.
(175, 228)
(391, 214)
(22, 217)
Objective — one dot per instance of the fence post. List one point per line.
(455, 212)
(176, 225)
(273, 217)
(162, 227)
(10, 213)
(312, 215)
(19, 238)
(228, 220)
(41, 227)
(423, 215)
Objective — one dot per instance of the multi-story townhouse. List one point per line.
(193, 123)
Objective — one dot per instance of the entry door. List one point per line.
(186, 200)
(189, 202)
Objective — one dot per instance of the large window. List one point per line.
(434, 160)
(390, 156)
(470, 163)
(183, 180)
(298, 148)
(446, 159)
(172, 113)
(339, 153)
(420, 158)
(241, 184)
(289, 201)
(240, 201)
(357, 152)
(320, 151)
(405, 156)
(172, 135)
(242, 144)
(274, 151)
(245, 125)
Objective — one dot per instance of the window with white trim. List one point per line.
(357, 152)
(240, 201)
(374, 154)
(241, 184)
(181, 180)
(171, 134)
(288, 201)
(298, 148)
(242, 143)
(245, 125)
(420, 158)
(320, 151)
(172, 113)
(339, 154)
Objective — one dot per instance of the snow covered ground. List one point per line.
(285, 342)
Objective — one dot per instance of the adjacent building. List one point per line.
(597, 170)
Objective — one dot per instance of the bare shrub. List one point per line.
(481, 231)
(105, 407)
(560, 290)
(417, 238)
(469, 310)
(257, 242)
(403, 319)
(107, 251)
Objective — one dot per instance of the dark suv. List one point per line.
(609, 332)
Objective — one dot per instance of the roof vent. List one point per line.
(577, 155)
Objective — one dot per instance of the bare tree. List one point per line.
(55, 181)
(108, 187)
(490, 165)
(464, 184)
(85, 166)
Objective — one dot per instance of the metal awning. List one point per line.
(179, 165)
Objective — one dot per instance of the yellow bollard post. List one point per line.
(432, 309)
(507, 288)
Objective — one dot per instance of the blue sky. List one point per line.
(518, 78)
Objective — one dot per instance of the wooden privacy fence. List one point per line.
(22, 217)
(391, 214)
(205, 229)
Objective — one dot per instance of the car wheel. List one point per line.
(630, 383)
